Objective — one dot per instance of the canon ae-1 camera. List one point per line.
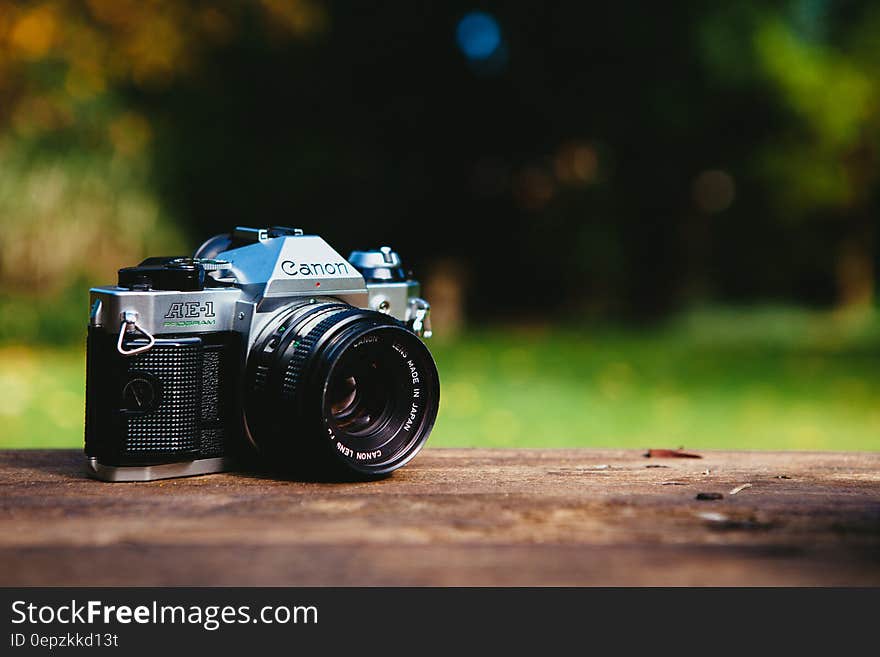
(264, 349)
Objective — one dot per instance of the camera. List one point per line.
(265, 349)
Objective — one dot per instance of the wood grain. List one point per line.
(454, 517)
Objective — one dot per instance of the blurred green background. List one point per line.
(638, 226)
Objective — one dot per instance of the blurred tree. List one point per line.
(75, 150)
(77, 198)
(819, 60)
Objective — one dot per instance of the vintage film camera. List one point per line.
(266, 349)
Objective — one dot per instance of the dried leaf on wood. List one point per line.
(671, 454)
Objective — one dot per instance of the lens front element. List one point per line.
(358, 397)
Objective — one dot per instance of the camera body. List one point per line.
(265, 347)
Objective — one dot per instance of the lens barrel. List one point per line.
(333, 388)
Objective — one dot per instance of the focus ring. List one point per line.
(303, 350)
(265, 359)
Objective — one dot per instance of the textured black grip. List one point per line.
(177, 401)
(173, 427)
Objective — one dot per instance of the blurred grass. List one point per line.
(772, 378)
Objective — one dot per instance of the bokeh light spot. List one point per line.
(714, 191)
(576, 163)
(478, 35)
(533, 188)
(32, 35)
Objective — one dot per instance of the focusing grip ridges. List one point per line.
(304, 348)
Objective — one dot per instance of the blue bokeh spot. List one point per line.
(478, 35)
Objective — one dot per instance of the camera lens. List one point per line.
(329, 385)
(359, 400)
(343, 396)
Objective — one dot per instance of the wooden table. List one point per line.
(454, 517)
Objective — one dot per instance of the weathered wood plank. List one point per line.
(453, 517)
